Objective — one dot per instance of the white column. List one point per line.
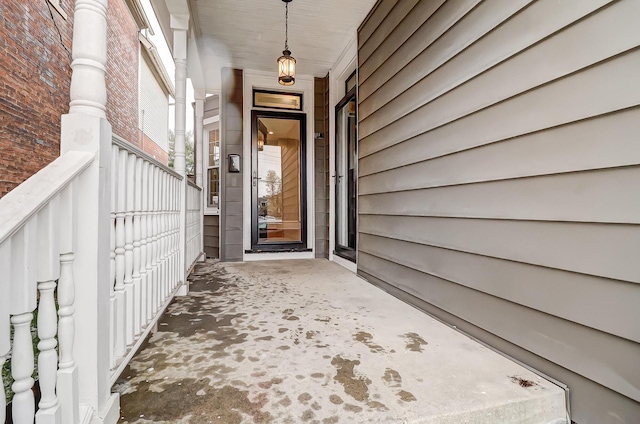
(199, 131)
(85, 128)
(180, 25)
(200, 166)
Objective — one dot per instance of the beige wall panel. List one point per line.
(401, 33)
(499, 163)
(482, 19)
(601, 142)
(604, 142)
(589, 40)
(374, 19)
(577, 247)
(438, 24)
(603, 304)
(610, 86)
(605, 359)
(392, 20)
(595, 196)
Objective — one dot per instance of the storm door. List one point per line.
(345, 178)
(279, 206)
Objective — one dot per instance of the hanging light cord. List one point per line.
(286, 26)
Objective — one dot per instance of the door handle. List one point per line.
(255, 178)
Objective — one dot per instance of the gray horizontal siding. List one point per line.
(231, 206)
(212, 236)
(321, 166)
(498, 174)
(575, 347)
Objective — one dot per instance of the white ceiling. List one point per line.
(249, 34)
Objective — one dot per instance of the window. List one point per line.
(213, 169)
(276, 100)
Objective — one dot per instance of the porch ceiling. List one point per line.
(249, 34)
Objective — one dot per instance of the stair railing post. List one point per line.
(85, 128)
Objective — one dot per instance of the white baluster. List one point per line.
(24, 253)
(176, 219)
(49, 272)
(5, 324)
(144, 194)
(3, 400)
(167, 217)
(115, 150)
(154, 255)
(49, 411)
(172, 239)
(162, 238)
(67, 386)
(137, 242)
(120, 341)
(23, 404)
(149, 215)
(167, 235)
(167, 223)
(128, 248)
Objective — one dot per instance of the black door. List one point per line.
(279, 202)
(346, 159)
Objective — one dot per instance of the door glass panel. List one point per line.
(214, 180)
(346, 160)
(279, 210)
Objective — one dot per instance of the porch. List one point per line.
(308, 341)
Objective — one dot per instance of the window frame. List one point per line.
(208, 208)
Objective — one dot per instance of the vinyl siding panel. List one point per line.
(153, 103)
(498, 172)
(212, 236)
(231, 208)
(610, 359)
(321, 166)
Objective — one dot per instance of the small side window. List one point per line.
(213, 170)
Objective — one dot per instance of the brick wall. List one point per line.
(150, 147)
(35, 74)
(122, 71)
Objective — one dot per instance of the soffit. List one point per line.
(250, 34)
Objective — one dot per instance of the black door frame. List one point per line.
(345, 252)
(290, 246)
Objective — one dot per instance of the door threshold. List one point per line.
(278, 250)
(288, 254)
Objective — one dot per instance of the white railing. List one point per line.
(41, 223)
(37, 250)
(194, 225)
(145, 248)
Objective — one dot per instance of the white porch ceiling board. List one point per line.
(249, 34)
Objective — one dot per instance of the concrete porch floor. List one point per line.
(309, 342)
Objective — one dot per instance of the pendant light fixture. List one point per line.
(286, 62)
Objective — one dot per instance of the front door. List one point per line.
(346, 154)
(278, 173)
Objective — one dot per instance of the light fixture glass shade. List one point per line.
(286, 69)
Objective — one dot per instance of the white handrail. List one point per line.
(36, 254)
(20, 204)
